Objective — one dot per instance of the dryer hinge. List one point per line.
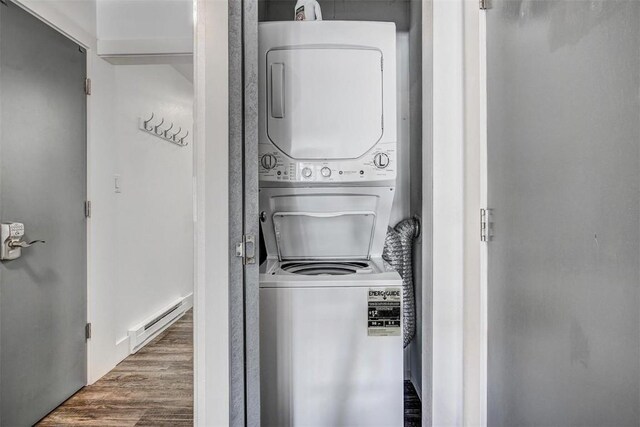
(247, 249)
(486, 225)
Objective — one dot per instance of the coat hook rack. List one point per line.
(157, 127)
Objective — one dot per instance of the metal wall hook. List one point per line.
(164, 133)
(176, 134)
(157, 127)
(182, 139)
(146, 123)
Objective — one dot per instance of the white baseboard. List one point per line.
(151, 327)
(122, 349)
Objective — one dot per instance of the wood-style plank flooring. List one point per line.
(153, 387)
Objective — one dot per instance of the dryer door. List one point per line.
(324, 103)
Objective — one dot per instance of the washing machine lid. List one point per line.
(325, 102)
(325, 223)
(324, 235)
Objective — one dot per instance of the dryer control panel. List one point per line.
(377, 165)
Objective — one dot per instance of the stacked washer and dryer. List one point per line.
(330, 307)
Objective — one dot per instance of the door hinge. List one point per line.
(87, 331)
(486, 225)
(247, 249)
(87, 209)
(485, 4)
(87, 86)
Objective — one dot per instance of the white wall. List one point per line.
(126, 27)
(141, 243)
(155, 206)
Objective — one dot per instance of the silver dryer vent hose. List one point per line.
(398, 252)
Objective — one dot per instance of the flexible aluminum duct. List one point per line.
(398, 251)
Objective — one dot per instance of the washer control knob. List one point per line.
(381, 160)
(268, 161)
(306, 172)
(326, 172)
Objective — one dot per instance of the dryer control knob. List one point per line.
(381, 160)
(306, 172)
(326, 172)
(268, 161)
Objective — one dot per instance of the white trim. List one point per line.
(426, 385)
(58, 21)
(91, 375)
(484, 256)
(145, 47)
(122, 350)
(474, 250)
(448, 214)
(211, 165)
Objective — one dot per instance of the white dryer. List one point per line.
(331, 348)
(327, 96)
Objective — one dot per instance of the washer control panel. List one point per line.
(377, 165)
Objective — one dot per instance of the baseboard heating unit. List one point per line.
(141, 334)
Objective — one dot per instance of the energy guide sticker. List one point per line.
(384, 305)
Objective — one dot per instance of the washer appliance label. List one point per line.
(384, 312)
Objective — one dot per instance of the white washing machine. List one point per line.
(331, 348)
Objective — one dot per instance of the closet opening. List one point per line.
(344, 227)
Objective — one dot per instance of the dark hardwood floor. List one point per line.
(153, 387)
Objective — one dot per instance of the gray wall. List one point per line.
(416, 187)
(348, 10)
(564, 183)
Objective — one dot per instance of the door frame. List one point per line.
(476, 309)
(212, 344)
(459, 382)
(475, 198)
